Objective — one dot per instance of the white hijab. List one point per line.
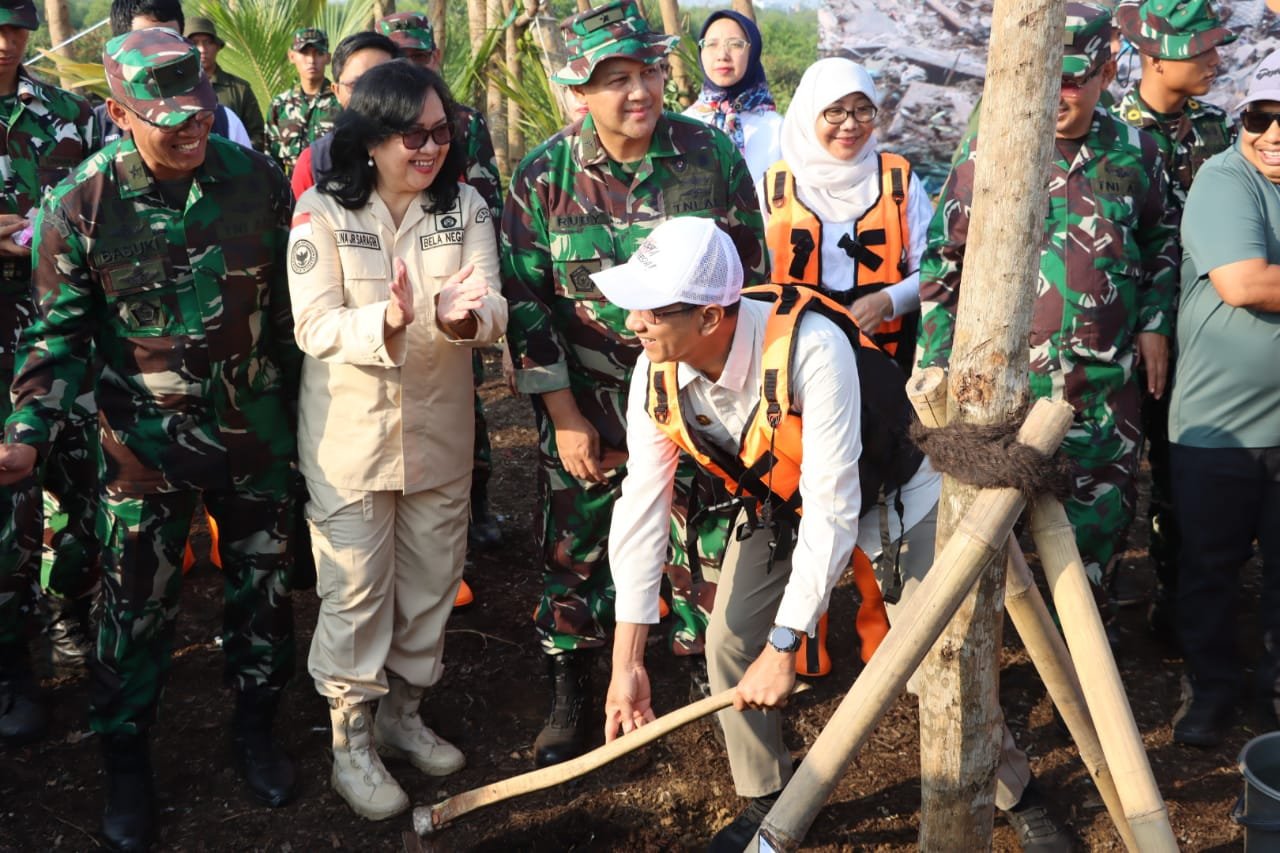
(837, 190)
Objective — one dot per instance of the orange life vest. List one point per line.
(878, 245)
(766, 471)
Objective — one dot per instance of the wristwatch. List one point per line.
(783, 639)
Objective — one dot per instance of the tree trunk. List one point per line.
(744, 7)
(960, 716)
(476, 23)
(495, 108)
(59, 18)
(515, 138)
(585, 5)
(439, 24)
(382, 8)
(671, 23)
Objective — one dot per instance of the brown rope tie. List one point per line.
(990, 456)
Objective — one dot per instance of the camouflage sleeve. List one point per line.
(280, 310)
(88, 128)
(746, 223)
(54, 351)
(537, 350)
(482, 165)
(942, 264)
(1157, 236)
(274, 143)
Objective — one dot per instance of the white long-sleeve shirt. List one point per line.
(824, 388)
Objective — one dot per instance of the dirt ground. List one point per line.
(672, 795)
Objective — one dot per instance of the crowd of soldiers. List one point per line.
(148, 341)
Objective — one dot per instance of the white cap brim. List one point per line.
(624, 286)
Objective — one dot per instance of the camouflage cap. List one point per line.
(1087, 41)
(1172, 29)
(615, 29)
(18, 13)
(201, 26)
(409, 30)
(156, 73)
(310, 37)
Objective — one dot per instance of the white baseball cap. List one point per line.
(688, 259)
(1264, 82)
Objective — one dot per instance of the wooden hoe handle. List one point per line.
(428, 819)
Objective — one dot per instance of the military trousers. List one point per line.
(1102, 446)
(69, 559)
(576, 606)
(142, 542)
(388, 566)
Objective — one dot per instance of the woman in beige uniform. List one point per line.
(392, 271)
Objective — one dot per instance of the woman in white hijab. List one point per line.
(841, 214)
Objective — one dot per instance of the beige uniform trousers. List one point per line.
(746, 602)
(388, 567)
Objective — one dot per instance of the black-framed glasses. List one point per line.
(1258, 121)
(197, 117)
(655, 316)
(416, 137)
(732, 45)
(1081, 79)
(864, 114)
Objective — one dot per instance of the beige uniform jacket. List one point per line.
(380, 415)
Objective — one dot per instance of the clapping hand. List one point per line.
(461, 294)
(400, 306)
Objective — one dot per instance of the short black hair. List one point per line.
(357, 42)
(124, 11)
(387, 101)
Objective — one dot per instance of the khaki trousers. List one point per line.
(388, 567)
(746, 603)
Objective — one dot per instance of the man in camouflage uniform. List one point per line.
(233, 92)
(164, 252)
(46, 132)
(581, 202)
(415, 37)
(1105, 292)
(296, 118)
(1179, 47)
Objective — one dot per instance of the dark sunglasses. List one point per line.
(1068, 80)
(416, 137)
(1258, 121)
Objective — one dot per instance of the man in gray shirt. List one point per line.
(1224, 419)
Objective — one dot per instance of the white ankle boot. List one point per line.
(358, 775)
(400, 732)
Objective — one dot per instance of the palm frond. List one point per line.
(81, 76)
(340, 20)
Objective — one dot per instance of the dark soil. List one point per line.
(672, 795)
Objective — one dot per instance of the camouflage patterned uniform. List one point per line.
(188, 308)
(46, 133)
(1187, 139)
(573, 211)
(296, 119)
(1108, 270)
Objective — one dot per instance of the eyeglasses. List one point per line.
(731, 45)
(654, 316)
(864, 114)
(197, 118)
(1080, 79)
(1257, 121)
(416, 137)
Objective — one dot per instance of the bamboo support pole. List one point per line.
(1058, 672)
(1103, 690)
(927, 392)
(978, 538)
(671, 25)
(430, 819)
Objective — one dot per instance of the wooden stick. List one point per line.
(428, 819)
(1103, 691)
(980, 535)
(1052, 660)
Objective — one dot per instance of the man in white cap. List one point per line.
(698, 387)
(1224, 417)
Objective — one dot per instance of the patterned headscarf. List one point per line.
(719, 106)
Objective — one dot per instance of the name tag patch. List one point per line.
(440, 238)
(358, 239)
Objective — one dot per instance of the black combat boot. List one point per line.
(23, 716)
(262, 763)
(67, 624)
(128, 817)
(483, 531)
(569, 723)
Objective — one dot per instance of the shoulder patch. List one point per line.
(303, 257)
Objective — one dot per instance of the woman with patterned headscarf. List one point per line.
(735, 95)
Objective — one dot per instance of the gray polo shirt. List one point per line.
(1227, 389)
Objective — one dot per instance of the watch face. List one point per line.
(784, 639)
